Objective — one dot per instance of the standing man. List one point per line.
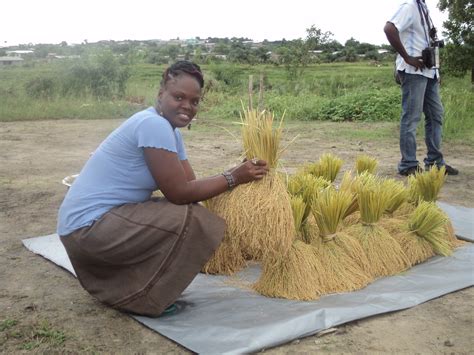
(410, 31)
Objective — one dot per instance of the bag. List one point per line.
(396, 76)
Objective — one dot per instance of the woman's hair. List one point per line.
(183, 67)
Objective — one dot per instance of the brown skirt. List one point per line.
(139, 258)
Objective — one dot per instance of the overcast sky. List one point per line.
(53, 21)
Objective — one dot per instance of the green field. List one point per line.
(338, 92)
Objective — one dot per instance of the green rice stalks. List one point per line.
(354, 184)
(427, 185)
(307, 187)
(330, 208)
(298, 206)
(372, 200)
(397, 194)
(327, 167)
(348, 184)
(428, 222)
(365, 163)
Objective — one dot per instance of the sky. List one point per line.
(53, 21)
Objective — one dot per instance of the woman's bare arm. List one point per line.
(172, 178)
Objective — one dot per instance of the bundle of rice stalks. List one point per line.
(383, 252)
(258, 215)
(353, 185)
(428, 222)
(296, 275)
(426, 187)
(397, 195)
(414, 234)
(365, 163)
(299, 209)
(345, 266)
(228, 258)
(348, 183)
(327, 167)
(259, 137)
(307, 187)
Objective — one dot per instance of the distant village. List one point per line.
(241, 50)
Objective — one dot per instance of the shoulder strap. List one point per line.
(424, 17)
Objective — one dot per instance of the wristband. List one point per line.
(230, 179)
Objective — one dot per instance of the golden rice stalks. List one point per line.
(259, 217)
(428, 222)
(345, 264)
(416, 248)
(451, 235)
(226, 260)
(397, 194)
(352, 219)
(393, 225)
(259, 136)
(405, 209)
(383, 252)
(365, 163)
(327, 167)
(427, 185)
(294, 276)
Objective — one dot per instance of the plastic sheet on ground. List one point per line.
(220, 315)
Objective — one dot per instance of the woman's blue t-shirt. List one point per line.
(116, 173)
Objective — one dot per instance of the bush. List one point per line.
(104, 77)
(368, 106)
(40, 88)
(229, 75)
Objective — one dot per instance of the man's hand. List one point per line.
(416, 62)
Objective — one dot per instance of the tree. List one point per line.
(316, 38)
(459, 53)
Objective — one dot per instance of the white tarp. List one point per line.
(217, 314)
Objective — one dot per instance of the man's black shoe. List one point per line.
(449, 170)
(411, 171)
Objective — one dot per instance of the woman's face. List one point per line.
(179, 99)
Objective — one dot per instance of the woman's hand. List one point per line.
(250, 170)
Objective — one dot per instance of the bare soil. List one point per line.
(44, 309)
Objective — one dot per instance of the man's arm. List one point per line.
(394, 39)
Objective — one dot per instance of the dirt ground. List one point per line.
(44, 309)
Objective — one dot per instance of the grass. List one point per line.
(40, 334)
(336, 92)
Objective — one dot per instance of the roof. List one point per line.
(11, 59)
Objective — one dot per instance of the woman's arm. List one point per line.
(188, 170)
(172, 177)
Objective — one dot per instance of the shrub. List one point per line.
(40, 88)
(104, 77)
(368, 105)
